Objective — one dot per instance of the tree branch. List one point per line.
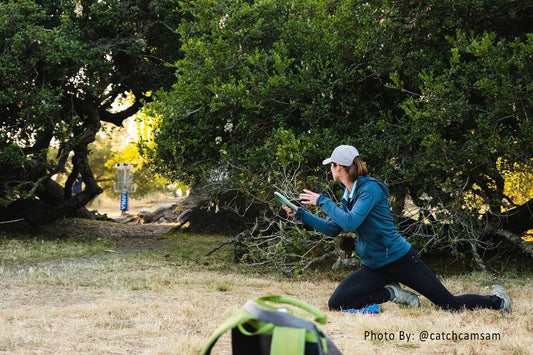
(119, 117)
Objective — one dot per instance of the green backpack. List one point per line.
(260, 328)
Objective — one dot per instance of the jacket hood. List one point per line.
(362, 180)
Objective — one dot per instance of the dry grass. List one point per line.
(168, 300)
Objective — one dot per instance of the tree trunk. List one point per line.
(53, 200)
(518, 220)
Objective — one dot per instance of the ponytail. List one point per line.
(358, 168)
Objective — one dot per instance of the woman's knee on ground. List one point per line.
(335, 303)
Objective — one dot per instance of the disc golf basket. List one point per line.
(124, 184)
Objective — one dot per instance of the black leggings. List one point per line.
(366, 286)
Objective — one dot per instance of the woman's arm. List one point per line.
(348, 221)
(352, 219)
(321, 225)
(329, 228)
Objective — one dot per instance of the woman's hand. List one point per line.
(308, 197)
(289, 211)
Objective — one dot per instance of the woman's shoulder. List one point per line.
(369, 183)
(366, 181)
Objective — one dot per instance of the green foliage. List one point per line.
(11, 159)
(33, 50)
(433, 96)
(63, 64)
(471, 115)
(240, 83)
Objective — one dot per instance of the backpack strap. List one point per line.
(287, 341)
(284, 320)
(235, 320)
(318, 316)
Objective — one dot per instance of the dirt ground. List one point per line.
(121, 302)
(111, 206)
(128, 237)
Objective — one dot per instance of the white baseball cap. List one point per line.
(343, 155)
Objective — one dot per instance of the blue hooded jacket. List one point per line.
(365, 210)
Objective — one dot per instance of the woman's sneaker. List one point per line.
(507, 303)
(403, 297)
